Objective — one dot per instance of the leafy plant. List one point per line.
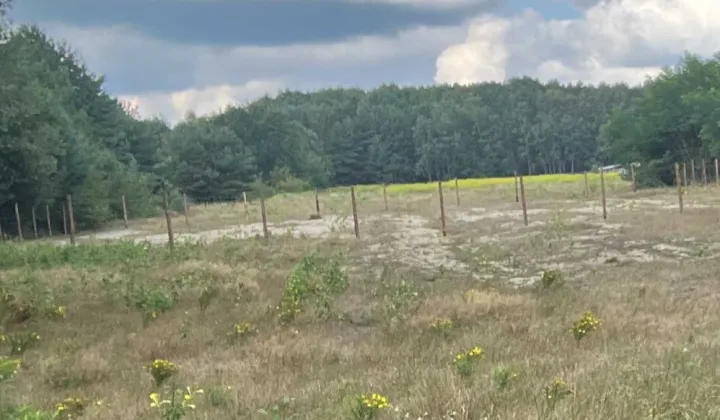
(279, 410)
(556, 391)
(162, 370)
(310, 279)
(8, 368)
(465, 362)
(551, 279)
(241, 331)
(177, 406)
(585, 325)
(20, 342)
(206, 297)
(503, 375)
(368, 407)
(150, 301)
(442, 326)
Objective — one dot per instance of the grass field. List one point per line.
(300, 328)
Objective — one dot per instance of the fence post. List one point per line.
(385, 196)
(247, 214)
(356, 223)
(679, 186)
(317, 202)
(263, 214)
(442, 209)
(168, 220)
(685, 177)
(49, 222)
(71, 219)
(34, 222)
(634, 181)
(457, 192)
(19, 224)
(522, 200)
(602, 192)
(704, 173)
(124, 207)
(717, 173)
(515, 176)
(587, 187)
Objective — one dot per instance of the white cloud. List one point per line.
(611, 41)
(173, 106)
(208, 77)
(620, 40)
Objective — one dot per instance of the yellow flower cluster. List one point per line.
(474, 353)
(584, 325)
(374, 401)
(464, 361)
(187, 401)
(161, 370)
(557, 390)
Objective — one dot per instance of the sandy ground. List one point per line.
(567, 235)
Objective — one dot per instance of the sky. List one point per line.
(170, 57)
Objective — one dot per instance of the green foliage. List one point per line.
(151, 301)
(311, 279)
(119, 253)
(675, 120)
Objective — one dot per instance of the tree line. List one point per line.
(62, 133)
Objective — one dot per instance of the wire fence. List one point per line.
(58, 219)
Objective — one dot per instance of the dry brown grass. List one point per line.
(648, 273)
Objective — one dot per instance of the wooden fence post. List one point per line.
(442, 209)
(602, 192)
(263, 215)
(679, 186)
(515, 175)
(704, 174)
(356, 223)
(168, 221)
(634, 181)
(587, 186)
(385, 196)
(19, 223)
(71, 219)
(317, 203)
(457, 192)
(49, 222)
(34, 222)
(717, 173)
(247, 214)
(685, 177)
(522, 200)
(124, 207)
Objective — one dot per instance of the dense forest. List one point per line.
(61, 133)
